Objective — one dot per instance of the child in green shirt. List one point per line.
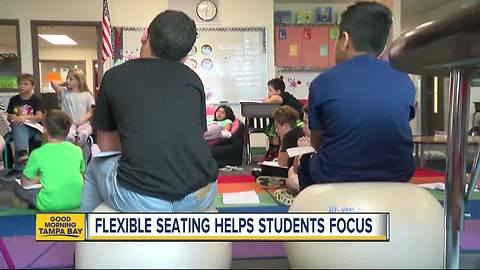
(57, 165)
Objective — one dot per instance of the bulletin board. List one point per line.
(231, 61)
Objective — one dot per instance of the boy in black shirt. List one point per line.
(277, 95)
(24, 107)
(152, 109)
(285, 121)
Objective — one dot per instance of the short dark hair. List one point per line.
(57, 123)
(172, 34)
(228, 111)
(26, 77)
(286, 115)
(368, 24)
(277, 84)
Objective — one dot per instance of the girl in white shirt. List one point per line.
(76, 100)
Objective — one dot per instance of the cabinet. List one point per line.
(288, 46)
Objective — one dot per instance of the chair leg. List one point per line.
(5, 160)
(7, 154)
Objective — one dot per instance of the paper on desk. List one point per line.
(272, 164)
(251, 101)
(439, 186)
(298, 151)
(34, 186)
(434, 186)
(97, 153)
(245, 197)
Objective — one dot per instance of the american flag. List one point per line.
(106, 33)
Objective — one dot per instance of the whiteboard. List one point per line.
(239, 59)
(231, 61)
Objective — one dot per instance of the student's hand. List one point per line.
(303, 141)
(296, 164)
(59, 83)
(16, 120)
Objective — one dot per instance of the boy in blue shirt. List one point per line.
(360, 110)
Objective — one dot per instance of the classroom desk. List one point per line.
(254, 113)
(418, 141)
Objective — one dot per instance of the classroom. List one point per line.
(135, 132)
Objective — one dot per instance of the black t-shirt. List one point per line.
(158, 108)
(291, 101)
(290, 140)
(20, 106)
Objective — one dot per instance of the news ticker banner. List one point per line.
(213, 227)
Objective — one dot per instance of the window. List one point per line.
(10, 63)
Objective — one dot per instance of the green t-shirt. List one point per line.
(60, 167)
(224, 123)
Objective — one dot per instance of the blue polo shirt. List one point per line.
(364, 107)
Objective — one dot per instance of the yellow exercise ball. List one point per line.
(416, 227)
(152, 254)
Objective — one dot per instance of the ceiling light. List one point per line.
(58, 39)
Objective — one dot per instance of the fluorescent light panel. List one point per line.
(58, 39)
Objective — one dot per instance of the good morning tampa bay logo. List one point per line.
(60, 227)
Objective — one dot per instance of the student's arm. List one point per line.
(14, 119)
(288, 141)
(11, 116)
(275, 99)
(315, 120)
(316, 138)
(31, 172)
(58, 86)
(108, 141)
(304, 141)
(228, 127)
(82, 165)
(85, 118)
(89, 115)
(296, 164)
(282, 158)
(108, 138)
(36, 118)
(28, 182)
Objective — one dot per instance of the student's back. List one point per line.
(60, 166)
(290, 100)
(359, 111)
(164, 153)
(365, 107)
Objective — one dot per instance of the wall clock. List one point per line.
(207, 10)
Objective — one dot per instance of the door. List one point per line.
(432, 104)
